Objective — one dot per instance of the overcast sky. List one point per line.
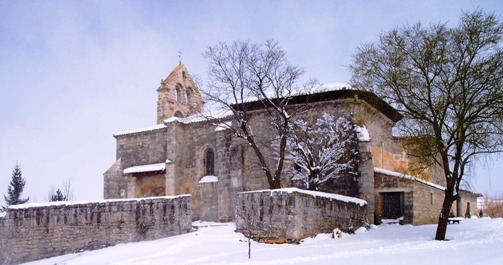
(73, 73)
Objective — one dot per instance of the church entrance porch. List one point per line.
(148, 185)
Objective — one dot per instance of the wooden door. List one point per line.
(392, 203)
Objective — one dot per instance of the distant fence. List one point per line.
(52, 229)
(289, 215)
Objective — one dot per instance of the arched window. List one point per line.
(163, 108)
(178, 114)
(209, 163)
(178, 95)
(187, 99)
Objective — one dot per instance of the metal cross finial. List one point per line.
(179, 56)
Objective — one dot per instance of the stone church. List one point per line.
(187, 152)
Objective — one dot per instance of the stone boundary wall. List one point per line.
(289, 215)
(53, 229)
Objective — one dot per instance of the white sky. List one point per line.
(72, 73)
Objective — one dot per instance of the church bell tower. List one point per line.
(178, 95)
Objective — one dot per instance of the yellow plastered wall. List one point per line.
(385, 159)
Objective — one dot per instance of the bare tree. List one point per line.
(447, 82)
(323, 150)
(244, 77)
(493, 206)
(61, 195)
(57, 196)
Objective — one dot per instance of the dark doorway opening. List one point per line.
(392, 205)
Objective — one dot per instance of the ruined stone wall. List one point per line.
(39, 232)
(289, 215)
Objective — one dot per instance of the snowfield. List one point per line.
(474, 241)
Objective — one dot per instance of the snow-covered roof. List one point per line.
(208, 179)
(223, 126)
(146, 168)
(207, 116)
(59, 203)
(337, 197)
(303, 91)
(186, 120)
(146, 129)
(331, 87)
(402, 175)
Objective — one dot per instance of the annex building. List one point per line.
(187, 152)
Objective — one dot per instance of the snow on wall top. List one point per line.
(146, 129)
(208, 179)
(208, 116)
(2, 215)
(401, 175)
(146, 168)
(68, 203)
(337, 197)
(363, 133)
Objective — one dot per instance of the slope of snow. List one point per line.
(474, 241)
(401, 175)
(146, 168)
(208, 179)
(207, 116)
(140, 130)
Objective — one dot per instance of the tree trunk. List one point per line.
(249, 242)
(276, 183)
(443, 219)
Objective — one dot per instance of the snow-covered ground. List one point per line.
(474, 241)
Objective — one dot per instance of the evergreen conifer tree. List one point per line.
(15, 188)
(58, 196)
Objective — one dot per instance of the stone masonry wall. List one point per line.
(289, 215)
(133, 149)
(427, 203)
(39, 232)
(421, 202)
(142, 148)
